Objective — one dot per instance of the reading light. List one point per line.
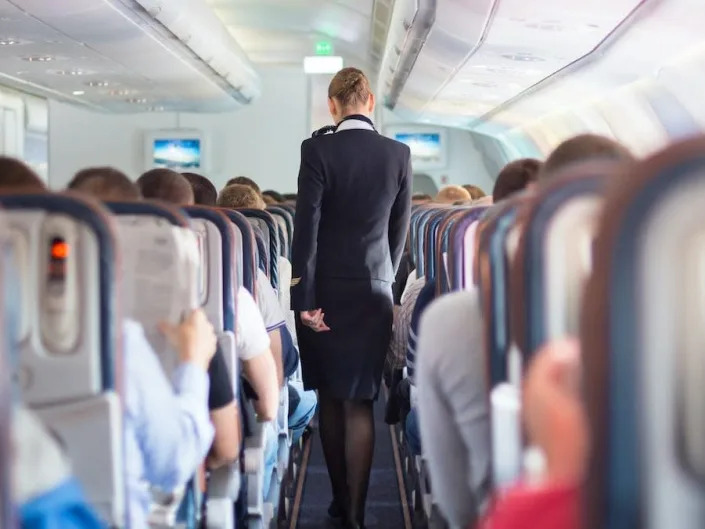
(78, 92)
(323, 64)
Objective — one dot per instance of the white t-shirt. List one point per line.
(268, 303)
(251, 334)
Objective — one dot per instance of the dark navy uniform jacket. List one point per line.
(353, 208)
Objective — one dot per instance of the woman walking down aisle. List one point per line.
(352, 217)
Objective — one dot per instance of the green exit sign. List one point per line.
(323, 47)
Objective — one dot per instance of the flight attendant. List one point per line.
(352, 217)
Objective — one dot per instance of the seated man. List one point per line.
(166, 185)
(108, 184)
(237, 196)
(451, 195)
(204, 192)
(475, 192)
(16, 175)
(243, 180)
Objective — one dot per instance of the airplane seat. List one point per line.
(69, 357)
(268, 226)
(262, 252)
(254, 444)
(461, 247)
(556, 230)
(218, 282)
(642, 333)
(287, 218)
(9, 279)
(160, 282)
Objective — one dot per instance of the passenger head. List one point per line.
(204, 192)
(581, 148)
(106, 184)
(244, 181)
(349, 93)
(291, 197)
(475, 192)
(421, 198)
(277, 198)
(166, 185)
(451, 195)
(16, 175)
(516, 176)
(238, 196)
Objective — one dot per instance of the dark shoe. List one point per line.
(335, 511)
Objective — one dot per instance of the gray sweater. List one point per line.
(454, 406)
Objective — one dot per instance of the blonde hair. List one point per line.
(452, 194)
(475, 192)
(350, 87)
(237, 196)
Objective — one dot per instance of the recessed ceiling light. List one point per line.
(74, 72)
(38, 58)
(78, 92)
(98, 84)
(121, 93)
(524, 57)
(137, 100)
(156, 109)
(9, 42)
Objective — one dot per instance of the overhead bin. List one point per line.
(195, 24)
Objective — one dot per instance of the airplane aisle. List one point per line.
(384, 509)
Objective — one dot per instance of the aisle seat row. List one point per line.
(608, 252)
(83, 268)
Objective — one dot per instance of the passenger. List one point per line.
(106, 184)
(291, 197)
(278, 198)
(421, 198)
(556, 422)
(16, 175)
(516, 176)
(581, 148)
(110, 184)
(452, 388)
(452, 194)
(352, 218)
(239, 196)
(166, 185)
(243, 180)
(204, 192)
(475, 192)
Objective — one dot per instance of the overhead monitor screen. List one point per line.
(177, 153)
(426, 147)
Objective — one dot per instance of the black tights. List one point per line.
(348, 436)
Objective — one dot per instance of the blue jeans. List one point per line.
(413, 435)
(271, 452)
(304, 411)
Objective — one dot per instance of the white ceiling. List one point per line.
(103, 54)
(285, 31)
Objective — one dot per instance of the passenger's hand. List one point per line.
(315, 320)
(194, 339)
(553, 409)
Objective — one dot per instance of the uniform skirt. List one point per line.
(347, 361)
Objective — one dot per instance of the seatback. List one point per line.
(262, 252)
(8, 323)
(161, 278)
(419, 238)
(432, 240)
(218, 237)
(70, 358)
(642, 336)
(554, 254)
(285, 216)
(461, 248)
(248, 244)
(268, 225)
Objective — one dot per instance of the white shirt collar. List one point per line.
(350, 124)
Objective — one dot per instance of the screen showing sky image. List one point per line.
(177, 153)
(425, 146)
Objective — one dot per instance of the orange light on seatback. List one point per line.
(59, 250)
